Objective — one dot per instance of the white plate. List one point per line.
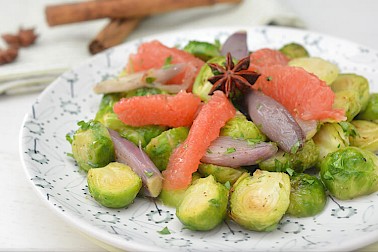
(343, 225)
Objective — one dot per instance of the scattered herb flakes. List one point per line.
(309, 181)
(150, 79)
(290, 171)
(328, 175)
(214, 202)
(167, 62)
(269, 78)
(148, 174)
(164, 231)
(230, 150)
(227, 185)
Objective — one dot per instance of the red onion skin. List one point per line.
(274, 121)
(227, 151)
(128, 153)
(236, 44)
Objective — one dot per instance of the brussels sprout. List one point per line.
(366, 136)
(355, 83)
(259, 202)
(302, 160)
(294, 50)
(173, 198)
(349, 101)
(202, 86)
(222, 174)
(202, 50)
(307, 196)
(350, 172)
(159, 149)
(115, 185)
(92, 146)
(137, 135)
(329, 138)
(371, 110)
(324, 69)
(240, 127)
(204, 205)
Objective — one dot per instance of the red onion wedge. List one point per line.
(236, 44)
(275, 121)
(231, 152)
(150, 78)
(309, 127)
(128, 153)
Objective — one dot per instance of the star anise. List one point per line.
(232, 76)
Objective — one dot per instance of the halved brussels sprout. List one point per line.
(322, 68)
(160, 148)
(305, 158)
(173, 198)
(349, 101)
(371, 110)
(92, 146)
(329, 138)
(204, 205)
(202, 86)
(202, 50)
(240, 127)
(259, 202)
(350, 172)
(307, 196)
(115, 185)
(222, 174)
(366, 136)
(356, 83)
(294, 50)
(137, 135)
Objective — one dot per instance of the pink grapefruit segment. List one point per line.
(154, 54)
(302, 93)
(161, 109)
(266, 57)
(206, 127)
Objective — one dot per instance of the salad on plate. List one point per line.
(219, 132)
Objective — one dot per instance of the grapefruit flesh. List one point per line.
(160, 109)
(302, 93)
(154, 54)
(266, 57)
(205, 128)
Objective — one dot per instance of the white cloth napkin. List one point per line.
(62, 47)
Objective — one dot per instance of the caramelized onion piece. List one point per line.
(128, 153)
(231, 152)
(150, 78)
(236, 44)
(274, 121)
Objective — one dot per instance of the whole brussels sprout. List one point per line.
(356, 83)
(202, 50)
(350, 172)
(305, 158)
(204, 205)
(294, 50)
(307, 196)
(240, 127)
(259, 202)
(115, 185)
(366, 136)
(138, 135)
(371, 110)
(173, 198)
(92, 146)
(202, 86)
(160, 148)
(222, 174)
(349, 101)
(324, 69)
(329, 138)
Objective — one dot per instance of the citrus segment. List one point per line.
(266, 57)
(160, 109)
(154, 54)
(302, 93)
(205, 128)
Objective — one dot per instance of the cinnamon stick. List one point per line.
(114, 33)
(89, 10)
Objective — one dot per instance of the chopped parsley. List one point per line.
(164, 231)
